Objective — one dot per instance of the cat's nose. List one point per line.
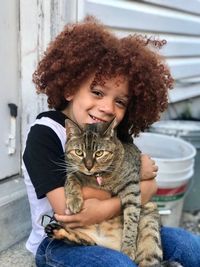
(89, 164)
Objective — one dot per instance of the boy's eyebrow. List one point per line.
(122, 95)
(125, 97)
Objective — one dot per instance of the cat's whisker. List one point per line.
(109, 169)
(59, 163)
(65, 166)
(71, 168)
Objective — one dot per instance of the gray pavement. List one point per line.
(17, 256)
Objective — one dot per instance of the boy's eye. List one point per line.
(97, 92)
(121, 103)
(79, 152)
(99, 153)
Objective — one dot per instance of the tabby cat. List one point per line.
(95, 157)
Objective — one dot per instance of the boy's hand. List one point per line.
(93, 211)
(148, 169)
(148, 174)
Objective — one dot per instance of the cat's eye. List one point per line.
(99, 153)
(79, 152)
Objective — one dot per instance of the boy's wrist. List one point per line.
(113, 207)
(89, 192)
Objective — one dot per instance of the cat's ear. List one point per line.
(110, 129)
(72, 128)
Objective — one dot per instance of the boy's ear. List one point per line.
(72, 128)
(110, 129)
(69, 98)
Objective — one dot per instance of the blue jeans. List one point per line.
(178, 245)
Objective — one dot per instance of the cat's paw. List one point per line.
(74, 204)
(52, 230)
(56, 231)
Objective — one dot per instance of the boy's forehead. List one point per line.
(113, 80)
(119, 82)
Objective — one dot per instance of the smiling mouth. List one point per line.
(96, 119)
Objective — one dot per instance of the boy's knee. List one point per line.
(181, 245)
(114, 258)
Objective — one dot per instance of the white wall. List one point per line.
(176, 21)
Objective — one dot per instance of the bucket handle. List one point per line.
(165, 212)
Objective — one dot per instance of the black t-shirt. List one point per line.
(44, 155)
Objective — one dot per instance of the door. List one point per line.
(9, 89)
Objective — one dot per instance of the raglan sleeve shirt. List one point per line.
(44, 160)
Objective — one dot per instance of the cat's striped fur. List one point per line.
(95, 157)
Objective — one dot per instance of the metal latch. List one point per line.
(12, 135)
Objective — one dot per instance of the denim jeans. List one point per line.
(178, 245)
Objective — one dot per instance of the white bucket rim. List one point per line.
(181, 179)
(177, 127)
(177, 172)
(193, 149)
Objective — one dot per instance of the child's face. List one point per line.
(100, 104)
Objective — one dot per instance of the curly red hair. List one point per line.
(88, 47)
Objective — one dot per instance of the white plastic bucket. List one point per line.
(188, 130)
(175, 160)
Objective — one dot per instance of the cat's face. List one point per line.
(90, 150)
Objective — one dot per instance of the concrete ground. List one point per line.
(17, 256)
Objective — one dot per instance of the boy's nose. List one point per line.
(108, 107)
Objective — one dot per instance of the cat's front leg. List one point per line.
(130, 231)
(149, 250)
(73, 194)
